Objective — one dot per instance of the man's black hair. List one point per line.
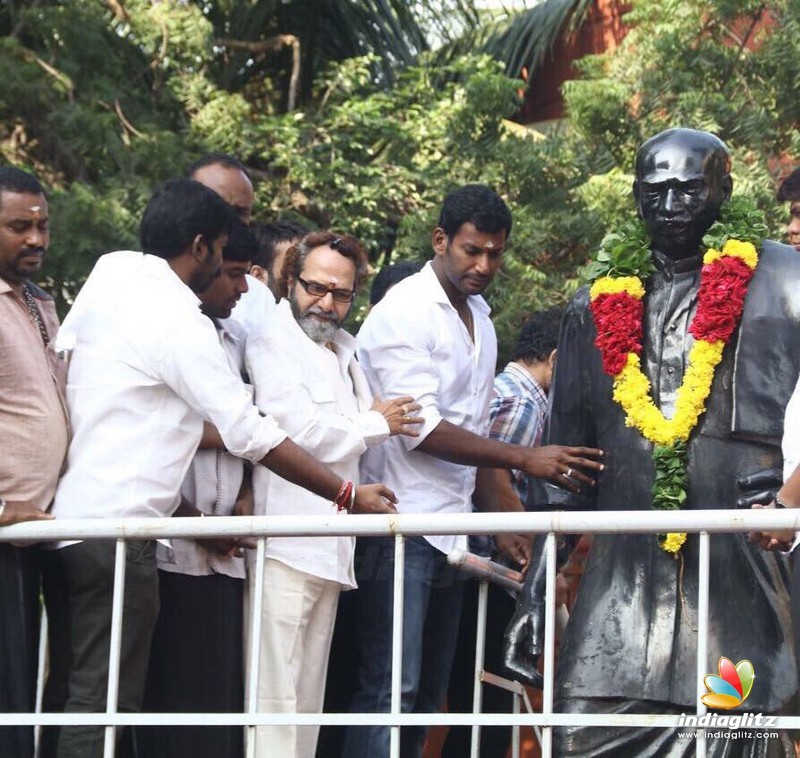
(539, 336)
(390, 275)
(789, 191)
(217, 159)
(16, 180)
(270, 235)
(242, 246)
(178, 211)
(476, 204)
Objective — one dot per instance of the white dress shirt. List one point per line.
(414, 343)
(211, 485)
(255, 308)
(146, 369)
(322, 399)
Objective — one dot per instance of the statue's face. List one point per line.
(681, 183)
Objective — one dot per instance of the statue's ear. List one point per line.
(636, 196)
(727, 188)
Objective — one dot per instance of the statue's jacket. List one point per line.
(633, 632)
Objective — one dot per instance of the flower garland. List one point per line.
(617, 305)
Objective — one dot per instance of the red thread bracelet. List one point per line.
(345, 497)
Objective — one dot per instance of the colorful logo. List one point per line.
(731, 687)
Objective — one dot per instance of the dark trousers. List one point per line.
(340, 684)
(432, 610)
(19, 643)
(495, 740)
(196, 666)
(79, 585)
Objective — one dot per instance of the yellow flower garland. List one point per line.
(632, 392)
(631, 387)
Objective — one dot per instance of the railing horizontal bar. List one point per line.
(359, 719)
(577, 522)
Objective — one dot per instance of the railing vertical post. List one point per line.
(702, 634)
(480, 643)
(256, 605)
(115, 646)
(515, 729)
(549, 643)
(41, 658)
(397, 641)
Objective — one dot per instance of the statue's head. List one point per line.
(682, 180)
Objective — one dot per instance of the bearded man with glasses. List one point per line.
(304, 371)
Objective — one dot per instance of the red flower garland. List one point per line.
(618, 318)
(723, 286)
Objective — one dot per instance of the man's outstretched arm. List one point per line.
(294, 464)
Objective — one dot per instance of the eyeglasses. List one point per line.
(315, 289)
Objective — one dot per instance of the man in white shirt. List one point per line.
(320, 397)
(196, 657)
(431, 338)
(274, 241)
(229, 178)
(146, 370)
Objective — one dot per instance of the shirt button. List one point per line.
(670, 370)
(673, 327)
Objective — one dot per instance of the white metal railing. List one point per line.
(400, 526)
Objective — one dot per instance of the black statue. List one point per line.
(630, 645)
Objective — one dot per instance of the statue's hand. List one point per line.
(759, 487)
(523, 642)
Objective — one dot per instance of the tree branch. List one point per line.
(273, 45)
(118, 8)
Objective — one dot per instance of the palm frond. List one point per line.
(520, 39)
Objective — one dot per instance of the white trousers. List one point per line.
(298, 615)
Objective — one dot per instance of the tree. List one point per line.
(105, 101)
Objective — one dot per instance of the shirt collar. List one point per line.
(523, 376)
(161, 269)
(671, 267)
(434, 286)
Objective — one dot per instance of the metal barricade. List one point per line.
(400, 526)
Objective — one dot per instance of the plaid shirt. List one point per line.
(516, 414)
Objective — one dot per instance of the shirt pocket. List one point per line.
(321, 393)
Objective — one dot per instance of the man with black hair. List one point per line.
(147, 368)
(431, 338)
(229, 178)
(202, 581)
(273, 241)
(35, 432)
(789, 192)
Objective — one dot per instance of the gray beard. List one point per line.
(317, 330)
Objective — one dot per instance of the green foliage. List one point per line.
(623, 252)
(104, 104)
(671, 479)
(740, 220)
